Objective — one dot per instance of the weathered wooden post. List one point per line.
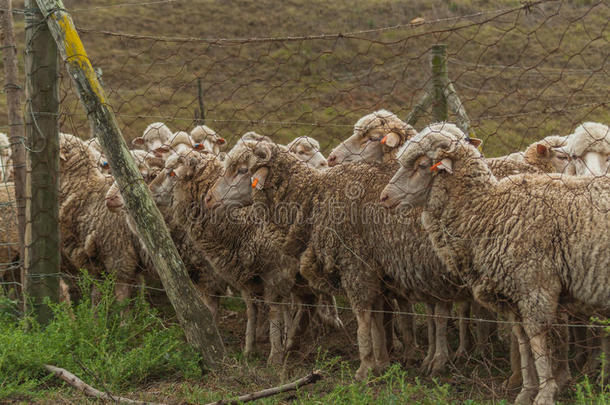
(438, 61)
(16, 130)
(42, 257)
(192, 314)
(200, 113)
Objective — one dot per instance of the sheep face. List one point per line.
(155, 139)
(114, 200)
(375, 136)
(5, 157)
(589, 148)
(177, 168)
(422, 159)
(308, 150)
(207, 139)
(245, 170)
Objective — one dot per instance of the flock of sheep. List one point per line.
(399, 217)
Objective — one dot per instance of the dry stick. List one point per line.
(88, 390)
(308, 379)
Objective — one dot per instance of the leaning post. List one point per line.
(438, 61)
(195, 319)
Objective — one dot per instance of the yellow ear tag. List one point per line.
(384, 140)
(434, 167)
(254, 182)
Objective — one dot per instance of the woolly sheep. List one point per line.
(519, 243)
(589, 147)
(9, 234)
(98, 155)
(5, 157)
(92, 237)
(307, 149)
(154, 138)
(307, 207)
(243, 251)
(208, 139)
(377, 136)
(199, 268)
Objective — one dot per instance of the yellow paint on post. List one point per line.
(76, 54)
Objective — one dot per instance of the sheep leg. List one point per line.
(441, 352)
(392, 341)
(530, 383)
(431, 339)
(562, 371)
(542, 358)
(407, 329)
(367, 358)
(262, 329)
(592, 363)
(515, 379)
(465, 341)
(251, 312)
(605, 378)
(287, 315)
(378, 334)
(483, 330)
(579, 340)
(276, 353)
(299, 326)
(212, 304)
(122, 291)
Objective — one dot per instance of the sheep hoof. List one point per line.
(526, 396)
(362, 373)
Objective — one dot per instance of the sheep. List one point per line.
(242, 251)
(520, 243)
(154, 138)
(98, 155)
(9, 235)
(92, 237)
(376, 138)
(208, 139)
(589, 147)
(200, 270)
(307, 149)
(5, 157)
(350, 254)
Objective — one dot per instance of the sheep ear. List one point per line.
(156, 162)
(62, 155)
(445, 164)
(259, 177)
(542, 150)
(137, 141)
(392, 140)
(476, 142)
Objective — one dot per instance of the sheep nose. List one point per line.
(384, 197)
(323, 165)
(332, 160)
(208, 200)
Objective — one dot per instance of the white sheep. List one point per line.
(376, 138)
(589, 147)
(520, 243)
(307, 149)
(5, 157)
(205, 138)
(154, 137)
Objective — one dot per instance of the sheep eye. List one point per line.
(562, 157)
(242, 170)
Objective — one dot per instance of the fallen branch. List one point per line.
(308, 379)
(88, 390)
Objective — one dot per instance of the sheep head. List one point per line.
(246, 169)
(155, 138)
(433, 152)
(547, 155)
(589, 148)
(205, 138)
(307, 150)
(376, 138)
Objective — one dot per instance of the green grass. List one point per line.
(113, 346)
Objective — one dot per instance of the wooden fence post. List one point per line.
(16, 130)
(192, 314)
(42, 255)
(438, 60)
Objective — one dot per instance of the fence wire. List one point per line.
(522, 72)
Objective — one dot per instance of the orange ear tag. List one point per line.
(384, 140)
(254, 182)
(172, 173)
(435, 166)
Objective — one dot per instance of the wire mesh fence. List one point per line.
(522, 72)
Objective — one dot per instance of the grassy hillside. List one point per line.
(521, 75)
